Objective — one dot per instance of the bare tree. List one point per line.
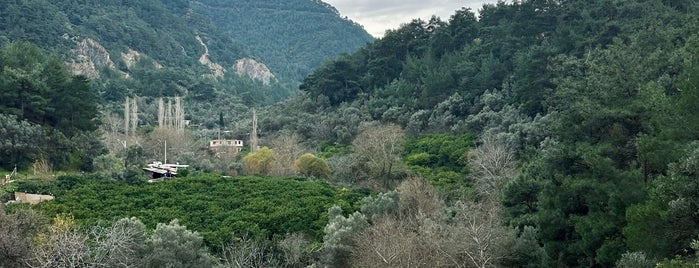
(179, 115)
(347, 169)
(120, 245)
(380, 147)
(287, 148)
(389, 243)
(491, 164)
(130, 115)
(181, 146)
(253, 132)
(248, 252)
(294, 247)
(168, 114)
(62, 246)
(402, 234)
(16, 235)
(477, 236)
(418, 200)
(425, 233)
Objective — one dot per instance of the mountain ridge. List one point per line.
(276, 34)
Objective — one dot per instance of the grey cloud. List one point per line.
(380, 15)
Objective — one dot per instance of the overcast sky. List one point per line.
(377, 16)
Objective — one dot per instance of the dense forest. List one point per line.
(534, 134)
(180, 47)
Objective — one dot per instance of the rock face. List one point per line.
(254, 70)
(132, 57)
(90, 56)
(216, 69)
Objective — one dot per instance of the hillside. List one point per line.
(536, 134)
(585, 117)
(177, 43)
(291, 37)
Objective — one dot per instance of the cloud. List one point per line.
(377, 16)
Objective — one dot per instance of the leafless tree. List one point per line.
(120, 245)
(347, 169)
(287, 148)
(293, 246)
(16, 233)
(245, 252)
(179, 115)
(418, 200)
(180, 145)
(476, 236)
(379, 146)
(491, 163)
(405, 237)
(426, 233)
(62, 246)
(390, 243)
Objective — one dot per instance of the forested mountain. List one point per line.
(538, 134)
(291, 37)
(592, 101)
(163, 48)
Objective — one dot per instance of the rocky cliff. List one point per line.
(90, 57)
(253, 69)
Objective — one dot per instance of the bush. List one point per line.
(311, 166)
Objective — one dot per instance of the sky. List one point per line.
(377, 16)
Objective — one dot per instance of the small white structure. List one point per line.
(218, 143)
(158, 170)
(226, 146)
(33, 199)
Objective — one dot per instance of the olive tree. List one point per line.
(172, 245)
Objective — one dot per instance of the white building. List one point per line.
(226, 146)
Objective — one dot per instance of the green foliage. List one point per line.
(677, 262)
(339, 233)
(21, 141)
(285, 34)
(439, 151)
(525, 250)
(214, 207)
(45, 111)
(598, 100)
(312, 166)
(666, 223)
(172, 245)
(441, 159)
(259, 162)
(292, 38)
(380, 205)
